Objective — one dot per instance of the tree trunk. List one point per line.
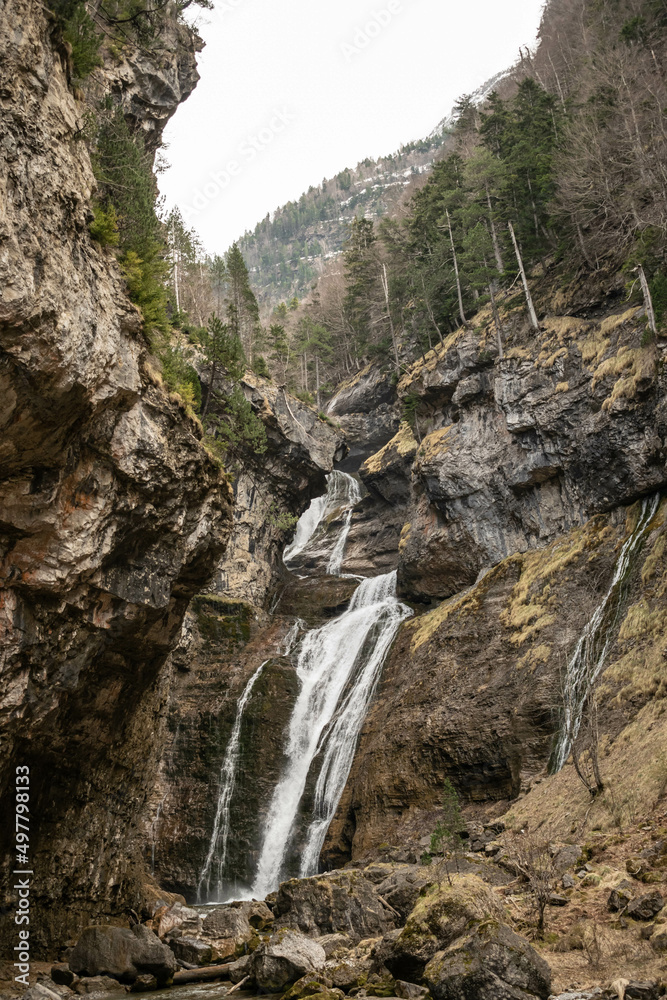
(648, 301)
(385, 288)
(456, 270)
(496, 320)
(214, 372)
(317, 381)
(529, 298)
(494, 236)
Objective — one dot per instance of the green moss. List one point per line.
(223, 622)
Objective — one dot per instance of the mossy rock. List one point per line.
(308, 986)
(443, 913)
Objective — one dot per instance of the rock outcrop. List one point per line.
(113, 515)
(512, 484)
(517, 451)
(227, 636)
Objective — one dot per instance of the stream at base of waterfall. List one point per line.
(338, 666)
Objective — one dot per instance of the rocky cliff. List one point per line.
(517, 485)
(113, 515)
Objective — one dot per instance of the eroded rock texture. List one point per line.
(514, 487)
(519, 450)
(112, 515)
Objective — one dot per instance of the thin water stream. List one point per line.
(590, 654)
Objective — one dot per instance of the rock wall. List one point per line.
(519, 450)
(113, 515)
(514, 485)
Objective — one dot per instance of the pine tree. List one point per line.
(244, 310)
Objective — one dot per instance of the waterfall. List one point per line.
(218, 847)
(342, 493)
(590, 653)
(338, 668)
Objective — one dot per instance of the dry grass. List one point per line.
(530, 609)
(433, 446)
(402, 445)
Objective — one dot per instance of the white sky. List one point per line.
(293, 91)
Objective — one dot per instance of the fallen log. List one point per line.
(205, 974)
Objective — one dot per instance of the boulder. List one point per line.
(285, 958)
(335, 944)
(256, 913)
(308, 986)
(229, 931)
(333, 903)
(442, 914)
(490, 962)
(556, 900)
(566, 857)
(144, 984)
(645, 907)
(380, 984)
(401, 889)
(176, 917)
(98, 984)
(61, 974)
(410, 991)
(620, 896)
(191, 950)
(238, 970)
(123, 953)
(354, 969)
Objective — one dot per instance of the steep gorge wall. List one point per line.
(112, 515)
(516, 490)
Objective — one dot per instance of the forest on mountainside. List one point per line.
(567, 170)
(288, 249)
(563, 168)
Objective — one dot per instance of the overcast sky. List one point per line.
(293, 91)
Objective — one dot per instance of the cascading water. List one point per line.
(378, 594)
(338, 668)
(591, 651)
(342, 494)
(217, 852)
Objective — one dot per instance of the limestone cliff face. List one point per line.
(301, 450)
(112, 515)
(517, 489)
(517, 451)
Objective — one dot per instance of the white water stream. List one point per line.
(338, 668)
(217, 852)
(590, 653)
(342, 494)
